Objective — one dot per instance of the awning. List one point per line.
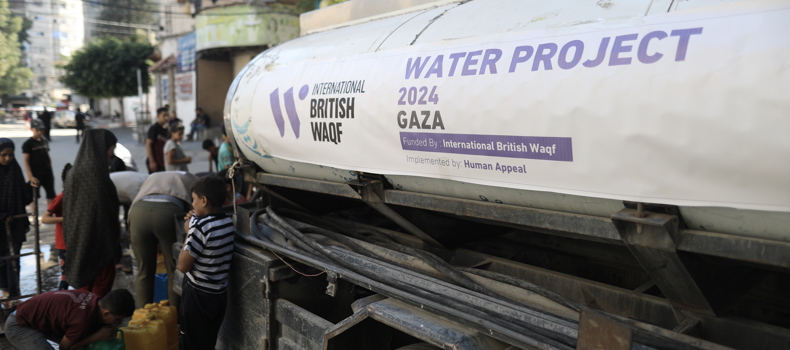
(164, 64)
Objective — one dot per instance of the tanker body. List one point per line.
(508, 174)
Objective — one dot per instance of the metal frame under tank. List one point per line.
(685, 315)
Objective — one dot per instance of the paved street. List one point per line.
(63, 149)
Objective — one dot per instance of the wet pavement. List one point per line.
(50, 271)
(63, 149)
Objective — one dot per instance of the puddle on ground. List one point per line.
(50, 274)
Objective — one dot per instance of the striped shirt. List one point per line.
(210, 242)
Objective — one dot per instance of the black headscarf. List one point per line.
(90, 210)
(14, 196)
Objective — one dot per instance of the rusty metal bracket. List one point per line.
(372, 193)
(651, 238)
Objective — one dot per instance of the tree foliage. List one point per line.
(22, 35)
(15, 80)
(108, 68)
(13, 76)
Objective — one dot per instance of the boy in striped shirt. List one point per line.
(205, 260)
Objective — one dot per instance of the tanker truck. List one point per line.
(516, 174)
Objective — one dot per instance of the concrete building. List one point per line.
(57, 31)
(175, 73)
(91, 12)
(230, 33)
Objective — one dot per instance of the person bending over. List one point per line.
(71, 318)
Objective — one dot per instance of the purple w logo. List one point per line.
(290, 109)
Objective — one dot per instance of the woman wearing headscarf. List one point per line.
(13, 199)
(90, 215)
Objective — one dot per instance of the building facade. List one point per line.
(174, 74)
(57, 31)
(228, 35)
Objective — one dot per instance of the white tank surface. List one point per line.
(573, 106)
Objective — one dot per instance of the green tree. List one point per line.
(14, 81)
(108, 68)
(22, 35)
(13, 76)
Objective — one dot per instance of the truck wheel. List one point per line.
(418, 346)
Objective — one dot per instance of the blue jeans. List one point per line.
(195, 128)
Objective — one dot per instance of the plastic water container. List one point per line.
(169, 314)
(160, 287)
(166, 313)
(142, 312)
(147, 333)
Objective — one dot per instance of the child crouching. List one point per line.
(205, 260)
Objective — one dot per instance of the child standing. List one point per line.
(54, 215)
(38, 165)
(175, 159)
(205, 260)
(225, 153)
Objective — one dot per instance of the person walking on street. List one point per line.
(69, 318)
(14, 196)
(90, 215)
(38, 165)
(46, 117)
(155, 143)
(202, 122)
(80, 118)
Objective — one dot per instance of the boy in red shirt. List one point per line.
(71, 318)
(54, 215)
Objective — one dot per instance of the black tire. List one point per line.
(418, 346)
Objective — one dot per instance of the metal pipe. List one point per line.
(37, 248)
